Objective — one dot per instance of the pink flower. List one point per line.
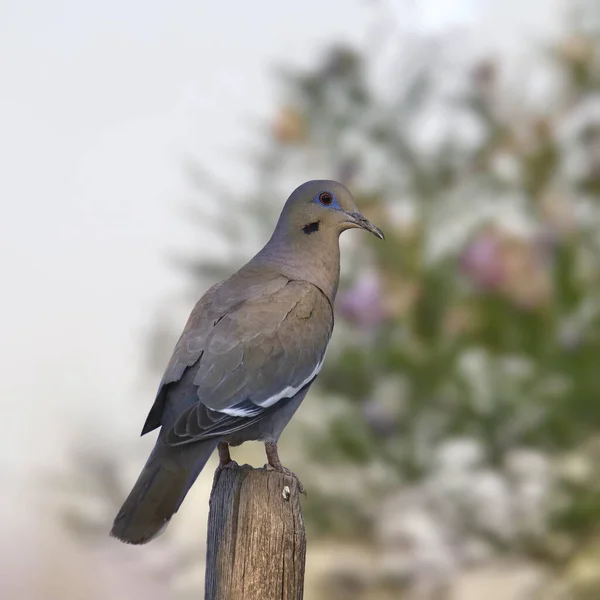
(482, 261)
(363, 304)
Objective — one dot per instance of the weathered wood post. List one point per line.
(256, 542)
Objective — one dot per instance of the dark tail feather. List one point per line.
(159, 491)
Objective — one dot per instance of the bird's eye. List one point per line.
(325, 198)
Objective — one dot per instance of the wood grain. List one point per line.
(256, 544)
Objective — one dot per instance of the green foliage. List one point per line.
(491, 330)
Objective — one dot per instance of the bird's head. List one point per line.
(324, 207)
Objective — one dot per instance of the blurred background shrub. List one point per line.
(459, 414)
(451, 445)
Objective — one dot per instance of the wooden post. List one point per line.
(256, 542)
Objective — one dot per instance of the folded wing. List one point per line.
(248, 359)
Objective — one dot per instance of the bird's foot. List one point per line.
(274, 463)
(291, 474)
(228, 465)
(225, 461)
(222, 467)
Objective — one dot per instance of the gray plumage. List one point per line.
(247, 356)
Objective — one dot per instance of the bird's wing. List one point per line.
(246, 285)
(260, 352)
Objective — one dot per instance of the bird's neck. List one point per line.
(307, 257)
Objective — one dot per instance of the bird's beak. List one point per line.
(357, 220)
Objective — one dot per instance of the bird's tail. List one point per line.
(159, 491)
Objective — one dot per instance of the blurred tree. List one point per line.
(460, 415)
(476, 326)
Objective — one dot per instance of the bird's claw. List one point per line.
(222, 466)
(289, 473)
(228, 465)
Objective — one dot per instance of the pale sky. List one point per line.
(99, 104)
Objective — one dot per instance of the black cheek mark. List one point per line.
(311, 228)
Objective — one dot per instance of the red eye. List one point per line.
(325, 198)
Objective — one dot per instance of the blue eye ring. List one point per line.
(326, 198)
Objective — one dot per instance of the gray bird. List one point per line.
(250, 350)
